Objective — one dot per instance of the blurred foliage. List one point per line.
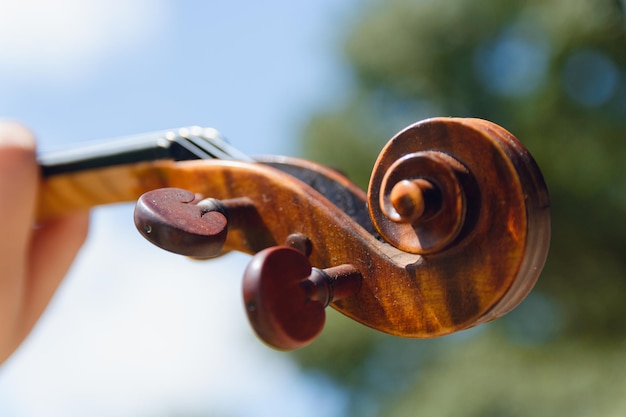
(554, 74)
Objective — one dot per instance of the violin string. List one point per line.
(177, 144)
(209, 143)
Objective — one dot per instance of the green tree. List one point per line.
(554, 74)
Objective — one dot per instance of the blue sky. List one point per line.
(253, 70)
(135, 331)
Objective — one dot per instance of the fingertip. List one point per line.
(15, 135)
(18, 160)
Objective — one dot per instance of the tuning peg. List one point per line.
(182, 222)
(285, 297)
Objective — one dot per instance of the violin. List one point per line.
(453, 231)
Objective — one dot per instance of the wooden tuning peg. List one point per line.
(285, 297)
(183, 222)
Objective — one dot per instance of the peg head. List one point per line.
(178, 221)
(280, 300)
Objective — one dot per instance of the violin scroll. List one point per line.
(453, 231)
(462, 216)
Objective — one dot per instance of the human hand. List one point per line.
(33, 259)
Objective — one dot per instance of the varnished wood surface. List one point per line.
(484, 272)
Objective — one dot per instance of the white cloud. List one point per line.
(66, 39)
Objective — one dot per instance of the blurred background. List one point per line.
(135, 331)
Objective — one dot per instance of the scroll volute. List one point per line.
(482, 238)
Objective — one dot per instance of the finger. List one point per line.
(18, 190)
(53, 249)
